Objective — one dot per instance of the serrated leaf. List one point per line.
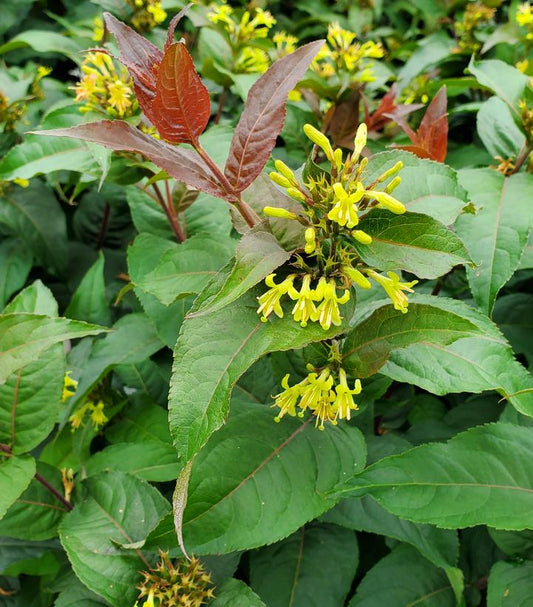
(23, 337)
(36, 512)
(510, 584)
(263, 115)
(16, 472)
(498, 130)
(251, 473)
(487, 484)
(170, 271)
(180, 163)
(234, 593)
(213, 351)
(313, 567)
(497, 235)
(440, 546)
(501, 78)
(404, 578)
(368, 345)
(427, 187)
(119, 509)
(413, 242)
(89, 300)
(258, 254)
(34, 299)
(35, 217)
(181, 107)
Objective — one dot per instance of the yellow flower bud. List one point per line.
(362, 237)
(390, 172)
(359, 141)
(310, 240)
(386, 200)
(296, 194)
(393, 184)
(282, 168)
(321, 140)
(279, 212)
(280, 179)
(357, 277)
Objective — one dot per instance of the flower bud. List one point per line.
(359, 141)
(280, 180)
(393, 184)
(279, 212)
(362, 237)
(386, 200)
(321, 140)
(390, 172)
(285, 171)
(357, 277)
(296, 194)
(310, 240)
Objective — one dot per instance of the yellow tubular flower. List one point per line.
(304, 308)
(359, 142)
(279, 212)
(310, 240)
(328, 310)
(344, 211)
(76, 419)
(317, 388)
(344, 402)
(321, 140)
(269, 301)
(287, 399)
(387, 201)
(394, 288)
(98, 417)
(119, 96)
(69, 387)
(357, 277)
(324, 411)
(362, 237)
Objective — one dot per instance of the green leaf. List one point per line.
(147, 215)
(486, 485)
(512, 314)
(510, 584)
(16, 473)
(89, 300)
(75, 594)
(404, 578)
(368, 345)
(15, 265)
(503, 79)
(132, 339)
(24, 337)
(34, 299)
(120, 510)
(242, 486)
(413, 242)
(30, 400)
(170, 271)
(440, 546)
(314, 566)
(151, 461)
(427, 187)
(498, 130)
(497, 235)
(36, 513)
(213, 351)
(517, 544)
(44, 41)
(258, 254)
(234, 593)
(35, 217)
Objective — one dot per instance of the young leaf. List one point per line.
(181, 107)
(404, 578)
(431, 138)
(98, 535)
(262, 118)
(23, 337)
(510, 584)
(213, 351)
(497, 235)
(16, 473)
(486, 485)
(182, 164)
(314, 566)
(413, 242)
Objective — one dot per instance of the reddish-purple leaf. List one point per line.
(263, 116)
(181, 107)
(173, 24)
(388, 110)
(431, 138)
(182, 164)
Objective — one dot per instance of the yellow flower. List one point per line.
(304, 308)
(344, 211)
(69, 386)
(98, 30)
(98, 417)
(269, 301)
(252, 60)
(287, 399)
(157, 12)
(316, 389)
(328, 310)
(344, 402)
(394, 288)
(386, 200)
(356, 276)
(324, 411)
(150, 600)
(321, 140)
(119, 96)
(76, 419)
(310, 240)
(524, 14)
(285, 43)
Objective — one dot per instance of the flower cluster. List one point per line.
(342, 54)
(69, 387)
(146, 14)
(96, 415)
(185, 584)
(524, 18)
(326, 394)
(241, 33)
(333, 208)
(475, 17)
(104, 88)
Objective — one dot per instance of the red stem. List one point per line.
(169, 212)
